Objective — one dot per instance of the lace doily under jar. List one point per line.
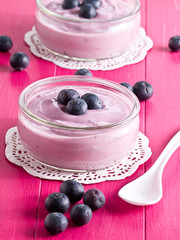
(134, 54)
(17, 154)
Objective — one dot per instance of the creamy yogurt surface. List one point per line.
(115, 107)
(109, 9)
(101, 37)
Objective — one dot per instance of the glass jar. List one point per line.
(108, 35)
(95, 140)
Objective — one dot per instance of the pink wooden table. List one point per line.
(22, 196)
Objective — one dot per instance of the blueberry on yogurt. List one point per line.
(77, 106)
(84, 72)
(5, 43)
(174, 43)
(66, 95)
(55, 223)
(69, 4)
(87, 11)
(92, 100)
(57, 202)
(143, 90)
(95, 3)
(81, 214)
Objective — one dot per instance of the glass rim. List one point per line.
(42, 8)
(77, 78)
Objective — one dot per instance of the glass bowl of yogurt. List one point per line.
(97, 139)
(109, 34)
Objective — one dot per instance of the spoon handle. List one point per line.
(170, 148)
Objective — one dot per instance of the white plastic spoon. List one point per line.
(147, 189)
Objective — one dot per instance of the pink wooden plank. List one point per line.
(117, 220)
(162, 116)
(122, 220)
(19, 192)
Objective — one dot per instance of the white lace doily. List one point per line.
(18, 155)
(135, 53)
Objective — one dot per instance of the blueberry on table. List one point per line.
(55, 223)
(69, 4)
(57, 202)
(66, 95)
(143, 90)
(174, 43)
(94, 198)
(84, 72)
(81, 214)
(92, 100)
(95, 3)
(77, 106)
(127, 85)
(74, 190)
(19, 61)
(5, 43)
(87, 11)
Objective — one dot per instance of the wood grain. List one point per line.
(22, 196)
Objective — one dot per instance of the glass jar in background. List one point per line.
(107, 35)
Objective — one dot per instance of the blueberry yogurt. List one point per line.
(92, 139)
(87, 29)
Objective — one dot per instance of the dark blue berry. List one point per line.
(77, 106)
(19, 61)
(87, 11)
(57, 202)
(95, 3)
(93, 101)
(143, 90)
(174, 43)
(69, 4)
(84, 72)
(94, 198)
(74, 190)
(127, 85)
(66, 95)
(5, 43)
(55, 223)
(81, 214)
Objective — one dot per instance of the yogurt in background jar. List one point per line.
(109, 34)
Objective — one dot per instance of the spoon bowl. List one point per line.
(147, 189)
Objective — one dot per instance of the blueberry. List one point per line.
(81, 214)
(95, 3)
(87, 11)
(93, 101)
(143, 90)
(19, 61)
(57, 202)
(94, 198)
(84, 72)
(127, 85)
(77, 106)
(55, 223)
(5, 43)
(69, 4)
(66, 95)
(174, 43)
(74, 190)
